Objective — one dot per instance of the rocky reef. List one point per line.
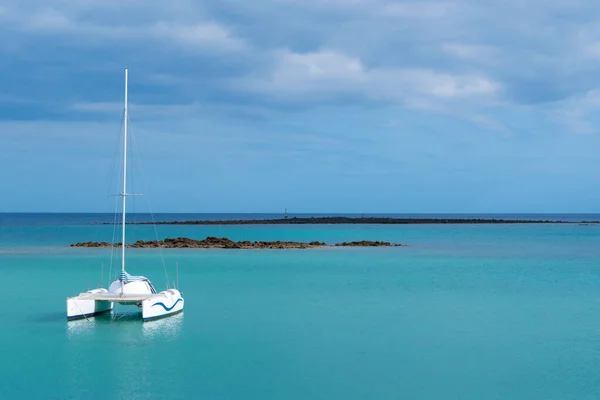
(350, 220)
(212, 242)
(366, 243)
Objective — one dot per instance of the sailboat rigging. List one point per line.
(127, 289)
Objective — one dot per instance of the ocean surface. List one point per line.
(462, 312)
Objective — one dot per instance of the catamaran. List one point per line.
(127, 289)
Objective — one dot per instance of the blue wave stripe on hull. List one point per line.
(165, 307)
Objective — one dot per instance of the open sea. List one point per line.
(463, 312)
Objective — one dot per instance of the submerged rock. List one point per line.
(212, 242)
(367, 243)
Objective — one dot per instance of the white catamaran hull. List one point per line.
(82, 307)
(162, 304)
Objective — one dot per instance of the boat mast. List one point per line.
(124, 194)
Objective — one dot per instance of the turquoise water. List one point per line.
(462, 312)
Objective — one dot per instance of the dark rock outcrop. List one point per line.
(351, 220)
(212, 242)
(95, 244)
(366, 243)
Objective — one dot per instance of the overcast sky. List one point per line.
(309, 105)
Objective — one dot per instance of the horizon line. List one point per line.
(301, 213)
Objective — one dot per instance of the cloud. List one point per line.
(312, 72)
(478, 53)
(419, 9)
(197, 35)
(208, 34)
(329, 73)
(446, 56)
(320, 65)
(49, 20)
(575, 114)
(4, 12)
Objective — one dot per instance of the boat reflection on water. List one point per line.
(164, 327)
(80, 327)
(130, 323)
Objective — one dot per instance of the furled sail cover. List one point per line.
(125, 277)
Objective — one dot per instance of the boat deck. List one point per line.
(113, 297)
